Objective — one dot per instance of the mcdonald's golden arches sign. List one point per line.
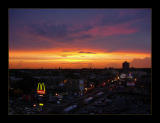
(41, 88)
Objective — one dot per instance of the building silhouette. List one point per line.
(125, 65)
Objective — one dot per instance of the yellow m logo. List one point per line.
(41, 86)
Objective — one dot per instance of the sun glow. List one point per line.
(55, 58)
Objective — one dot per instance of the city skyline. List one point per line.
(79, 38)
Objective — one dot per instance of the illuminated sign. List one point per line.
(41, 88)
(40, 104)
(122, 76)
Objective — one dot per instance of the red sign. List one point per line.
(40, 91)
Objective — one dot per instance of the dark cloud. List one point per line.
(87, 52)
(80, 28)
(64, 55)
(59, 32)
(113, 19)
(123, 16)
(75, 63)
(50, 31)
(84, 36)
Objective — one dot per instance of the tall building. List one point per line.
(125, 65)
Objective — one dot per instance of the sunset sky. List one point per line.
(79, 38)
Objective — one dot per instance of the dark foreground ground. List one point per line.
(103, 93)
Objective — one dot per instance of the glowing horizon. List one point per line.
(63, 59)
